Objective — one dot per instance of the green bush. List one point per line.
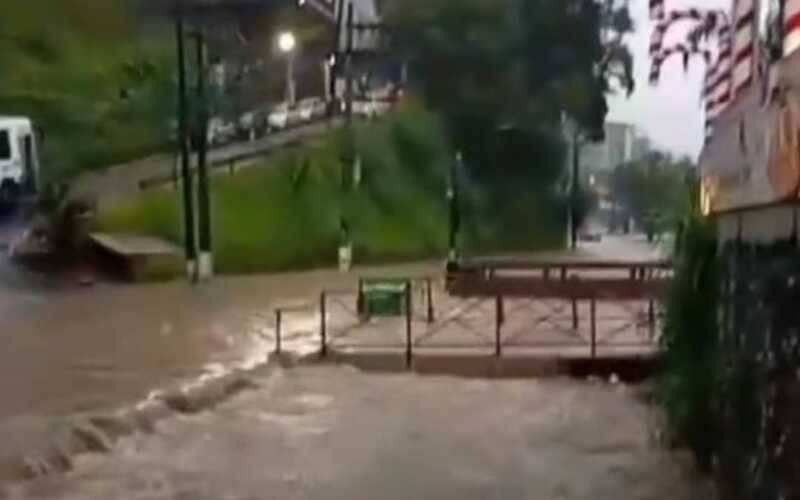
(690, 382)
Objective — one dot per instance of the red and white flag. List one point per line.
(657, 10)
(791, 26)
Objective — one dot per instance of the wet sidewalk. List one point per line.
(333, 433)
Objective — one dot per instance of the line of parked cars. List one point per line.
(265, 120)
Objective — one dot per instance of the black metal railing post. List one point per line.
(360, 303)
(323, 348)
(278, 319)
(575, 322)
(429, 290)
(409, 353)
(499, 318)
(593, 320)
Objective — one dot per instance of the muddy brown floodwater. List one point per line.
(95, 349)
(80, 349)
(330, 432)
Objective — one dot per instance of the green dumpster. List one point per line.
(384, 297)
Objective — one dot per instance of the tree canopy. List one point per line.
(653, 190)
(504, 72)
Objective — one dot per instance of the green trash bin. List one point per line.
(384, 297)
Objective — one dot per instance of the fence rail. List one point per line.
(587, 322)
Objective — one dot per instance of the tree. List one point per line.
(502, 74)
(653, 190)
(515, 62)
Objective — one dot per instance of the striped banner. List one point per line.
(684, 50)
(791, 26)
(722, 90)
(744, 29)
(657, 10)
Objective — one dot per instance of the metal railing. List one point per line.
(496, 324)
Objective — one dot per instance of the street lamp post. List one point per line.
(287, 44)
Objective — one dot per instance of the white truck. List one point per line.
(19, 159)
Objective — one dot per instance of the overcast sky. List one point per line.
(670, 113)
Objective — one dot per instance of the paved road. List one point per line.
(125, 179)
(332, 433)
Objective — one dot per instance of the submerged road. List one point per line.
(68, 349)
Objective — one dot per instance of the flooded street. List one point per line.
(69, 350)
(330, 432)
(93, 348)
(75, 349)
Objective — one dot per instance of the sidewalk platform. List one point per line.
(632, 365)
(138, 258)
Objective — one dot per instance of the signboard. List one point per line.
(384, 297)
(753, 157)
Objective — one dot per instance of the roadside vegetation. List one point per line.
(285, 214)
(689, 386)
(653, 191)
(99, 83)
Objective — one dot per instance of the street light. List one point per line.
(287, 43)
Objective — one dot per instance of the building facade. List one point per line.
(750, 165)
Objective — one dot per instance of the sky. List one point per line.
(670, 113)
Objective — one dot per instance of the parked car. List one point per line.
(295, 116)
(312, 108)
(252, 124)
(306, 110)
(590, 236)
(370, 108)
(278, 118)
(220, 131)
(19, 159)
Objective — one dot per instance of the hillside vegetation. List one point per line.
(285, 214)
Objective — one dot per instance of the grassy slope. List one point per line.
(286, 215)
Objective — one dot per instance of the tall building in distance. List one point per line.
(621, 145)
(641, 147)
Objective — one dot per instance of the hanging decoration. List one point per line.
(706, 25)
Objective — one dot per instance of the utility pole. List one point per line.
(345, 245)
(334, 60)
(455, 215)
(205, 263)
(291, 87)
(349, 65)
(183, 141)
(573, 191)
